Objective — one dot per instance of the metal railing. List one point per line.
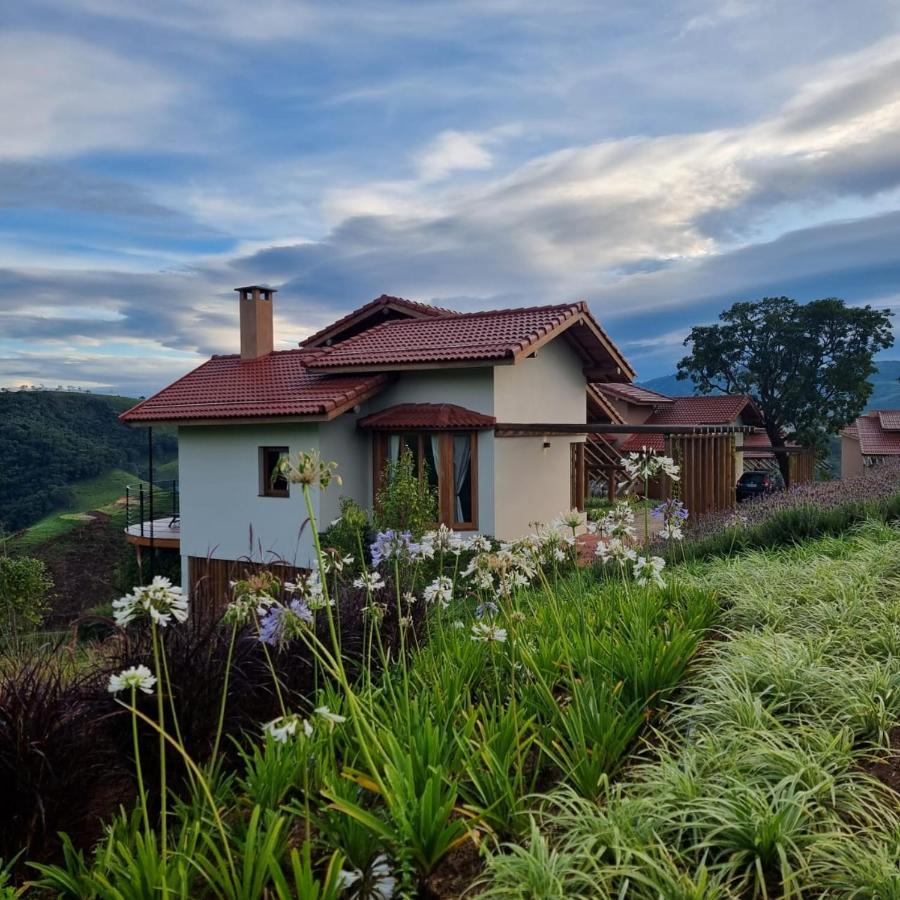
(146, 503)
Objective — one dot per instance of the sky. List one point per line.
(660, 159)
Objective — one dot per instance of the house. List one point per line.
(871, 439)
(393, 373)
(728, 439)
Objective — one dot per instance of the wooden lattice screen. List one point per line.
(708, 471)
(802, 466)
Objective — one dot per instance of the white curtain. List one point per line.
(436, 453)
(462, 458)
(394, 447)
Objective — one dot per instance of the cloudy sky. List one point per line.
(659, 158)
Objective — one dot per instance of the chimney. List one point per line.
(257, 338)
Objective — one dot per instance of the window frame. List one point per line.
(266, 482)
(446, 494)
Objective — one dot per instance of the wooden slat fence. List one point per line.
(209, 580)
(708, 471)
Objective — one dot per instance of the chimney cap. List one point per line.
(257, 287)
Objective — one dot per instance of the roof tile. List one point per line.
(444, 416)
(275, 385)
(460, 337)
(633, 393)
(874, 439)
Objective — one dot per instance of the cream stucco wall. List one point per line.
(221, 506)
(851, 458)
(531, 482)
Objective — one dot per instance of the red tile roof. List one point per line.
(275, 385)
(890, 419)
(379, 306)
(713, 410)
(459, 337)
(874, 439)
(633, 393)
(443, 416)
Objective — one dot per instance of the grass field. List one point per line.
(100, 493)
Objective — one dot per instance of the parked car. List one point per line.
(755, 484)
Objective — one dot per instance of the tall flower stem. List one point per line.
(137, 762)
(221, 722)
(161, 712)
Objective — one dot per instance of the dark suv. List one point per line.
(755, 484)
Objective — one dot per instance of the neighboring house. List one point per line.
(392, 373)
(871, 439)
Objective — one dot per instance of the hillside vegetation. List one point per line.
(50, 440)
(885, 386)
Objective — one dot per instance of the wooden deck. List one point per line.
(163, 533)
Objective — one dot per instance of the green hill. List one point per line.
(52, 440)
(885, 383)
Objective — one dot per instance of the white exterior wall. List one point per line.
(532, 484)
(218, 470)
(342, 442)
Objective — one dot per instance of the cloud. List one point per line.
(453, 151)
(69, 96)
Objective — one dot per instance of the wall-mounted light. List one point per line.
(546, 444)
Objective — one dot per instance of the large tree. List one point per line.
(807, 365)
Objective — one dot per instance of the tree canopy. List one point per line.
(807, 365)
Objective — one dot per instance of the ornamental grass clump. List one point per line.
(762, 782)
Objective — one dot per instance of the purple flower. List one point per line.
(281, 624)
(390, 543)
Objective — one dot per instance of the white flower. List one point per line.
(615, 550)
(380, 883)
(160, 599)
(486, 632)
(648, 570)
(282, 728)
(457, 623)
(439, 591)
(371, 581)
(329, 716)
(333, 561)
(480, 544)
(672, 533)
(571, 519)
(442, 540)
(646, 465)
(136, 678)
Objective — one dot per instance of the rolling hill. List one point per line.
(63, 452)
(886, 393)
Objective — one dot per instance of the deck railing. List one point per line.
(146, 503)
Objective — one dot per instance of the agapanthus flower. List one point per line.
(137, 678)
(308, 469)
(285, 727)
(615, 550)
(377, 883)
(478, 543)
(648, 570)
(487, 632)
(370, 581)
(488, 608)
(442, 539)
(309, 588)
(673, 514)
(645, 464)
(375, 610)
(334, 562)
(332, 718)
(160, 599)
(439, 591)
(571, 519)
(393, 544)
(283, 623)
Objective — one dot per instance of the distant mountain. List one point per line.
(51, 439)
(886, 393)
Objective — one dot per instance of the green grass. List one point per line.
(100, 493)
(757, 786)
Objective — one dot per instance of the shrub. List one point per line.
(24, 585)
(350, 533)
(405, 503)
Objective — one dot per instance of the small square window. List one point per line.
(271, 484)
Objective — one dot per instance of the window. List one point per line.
(270, 484)
(446, 460)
